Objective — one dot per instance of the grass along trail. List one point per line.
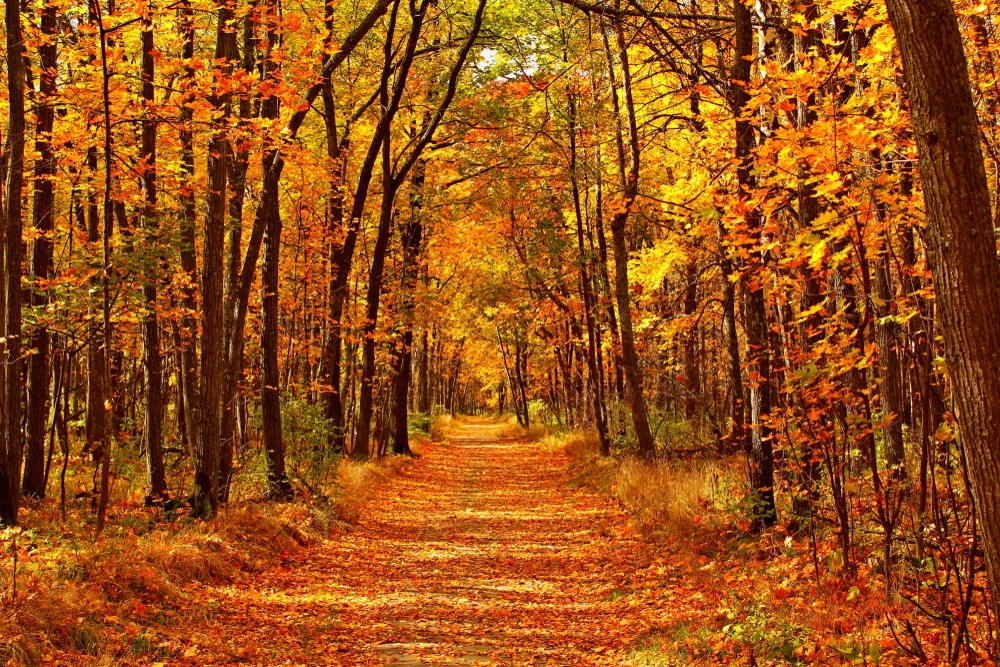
(480, 553)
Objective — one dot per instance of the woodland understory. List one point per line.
(737, 259)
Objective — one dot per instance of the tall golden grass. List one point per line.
(667, 497)
(511, 430)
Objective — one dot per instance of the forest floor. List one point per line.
(490, 548)
(478, 554)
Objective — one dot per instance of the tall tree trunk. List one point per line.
(152, 360)
(515, 395)
(812, 293)
(737, 414)
(365, 405)
(961, 241)
(333, 406)
(520, 374)
(630, 189)
(96, 427)
(760, 456)
(231, 287)
(206, 496)
(41, 259)
(345, 260)
(589, 305)
(274, 447)
(188, 329)
(10, 465)
(106, 334)
(892, 377)
(272, 176)
(412, 236)
(691, 379)
(277, 480)
(390, 186)
(423, 374)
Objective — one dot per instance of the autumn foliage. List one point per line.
(737, 260)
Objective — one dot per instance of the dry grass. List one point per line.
(534, 433)
(358, 480)
(666, 497)
(441, 427)
(69, 586)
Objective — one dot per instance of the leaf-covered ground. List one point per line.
(479, 553)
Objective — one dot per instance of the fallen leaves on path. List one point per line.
(478, 554)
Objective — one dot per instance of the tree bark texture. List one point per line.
(961, 241)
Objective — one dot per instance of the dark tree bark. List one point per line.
(961, 241)
(691, 362)
(41, 259)
(515, 395)
(630, 189)
(106, 335)
(152, 359)
(759, 451)
(412, 235)
(390, 186)
(205, 501)
(892, 377)
(375, 275)
(378, 145)
(188, 329)
(603, 299)
(423, 374)
(238, 167)
(96, 428)
(520, 375)
(277, 481)
(272, 176)
(336, 150)
(813, 292)
(589, 305)
(96, 419)
(10, 465)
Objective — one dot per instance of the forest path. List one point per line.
(480, 553)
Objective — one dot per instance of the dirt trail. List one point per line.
(479, 553)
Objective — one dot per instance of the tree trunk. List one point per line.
(961, 241)
(412, 236)
(333, 405)
(231, 287)
(589, 305)
(515, 395)
(277, 480)
(365, 405)
(345, 260)
(10, 465)
(106, 334)
(423, 374)
(41, 260)
(630, 189)
(520, 374)
(153, 362)
(760, 456)
(390, 186)
(96, 429)
(892, 377)
(206, 496)
(188, 329)
(691, 379)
